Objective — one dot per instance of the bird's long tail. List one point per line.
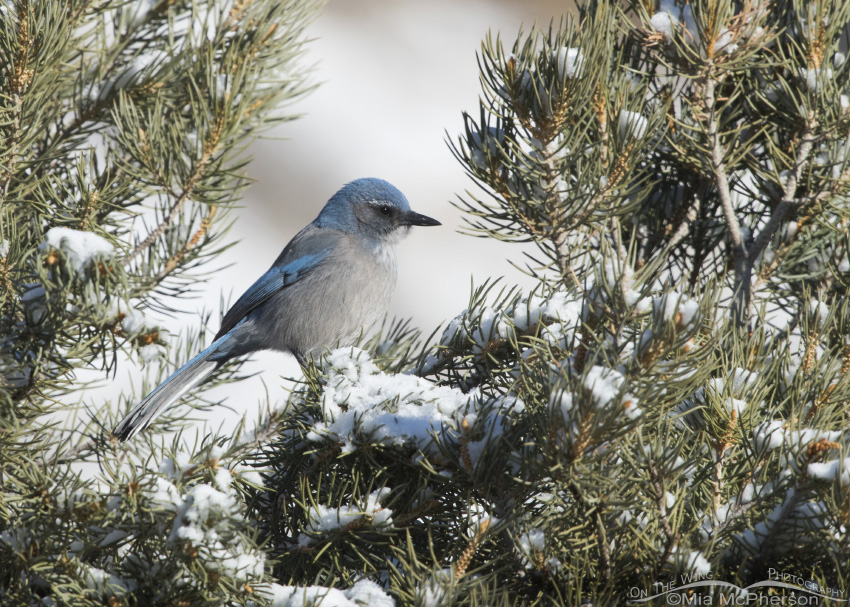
(181, 381)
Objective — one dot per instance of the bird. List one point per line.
(334, 279)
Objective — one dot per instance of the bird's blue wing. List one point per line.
(277, 278)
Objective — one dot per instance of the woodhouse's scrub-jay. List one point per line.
(332, 280)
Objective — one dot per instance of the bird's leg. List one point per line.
(300, 358)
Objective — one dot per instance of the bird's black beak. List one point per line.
(412, 218)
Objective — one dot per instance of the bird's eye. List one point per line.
(385, 210)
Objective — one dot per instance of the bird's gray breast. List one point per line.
(334, 303)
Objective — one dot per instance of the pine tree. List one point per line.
(123, 128)
(667, 404)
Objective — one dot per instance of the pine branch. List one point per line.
(187, 191)
(559, 231)
(468, 553)
(740, 256)
(180, 255)
(672, 537)
(594, 511)
(681, 230)
(21, 78)
(788, 203)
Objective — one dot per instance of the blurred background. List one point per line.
(394, 77)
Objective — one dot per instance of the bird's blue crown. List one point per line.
(370, 189)
(339, 211)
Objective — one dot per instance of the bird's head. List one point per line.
(373, 208)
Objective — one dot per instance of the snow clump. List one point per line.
(78, 248)
(671, 17)
(632, 125)
(323, 519)
(570, 62)
(364, 592)
(361, 404)
(831, 470)
(204, 520)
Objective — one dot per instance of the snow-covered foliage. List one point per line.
(79, 249)
(570, 62)
(691, 204)
(122, 136)
(321, 519)
(364, 592)
(201, 527)
(362, 405)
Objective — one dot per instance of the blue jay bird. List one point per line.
(334, 278)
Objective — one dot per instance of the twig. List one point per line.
(464, 446)
(160, 229)
(661, 503)
(189, 188)
(721, 446)
(777, 522)
(733, 517)
(788, 201)
(559, 231)
(601, 540)
(21, 78)
(684, 226)
(13, 141)
(175, 259)
(72, 455)
(740, 305)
